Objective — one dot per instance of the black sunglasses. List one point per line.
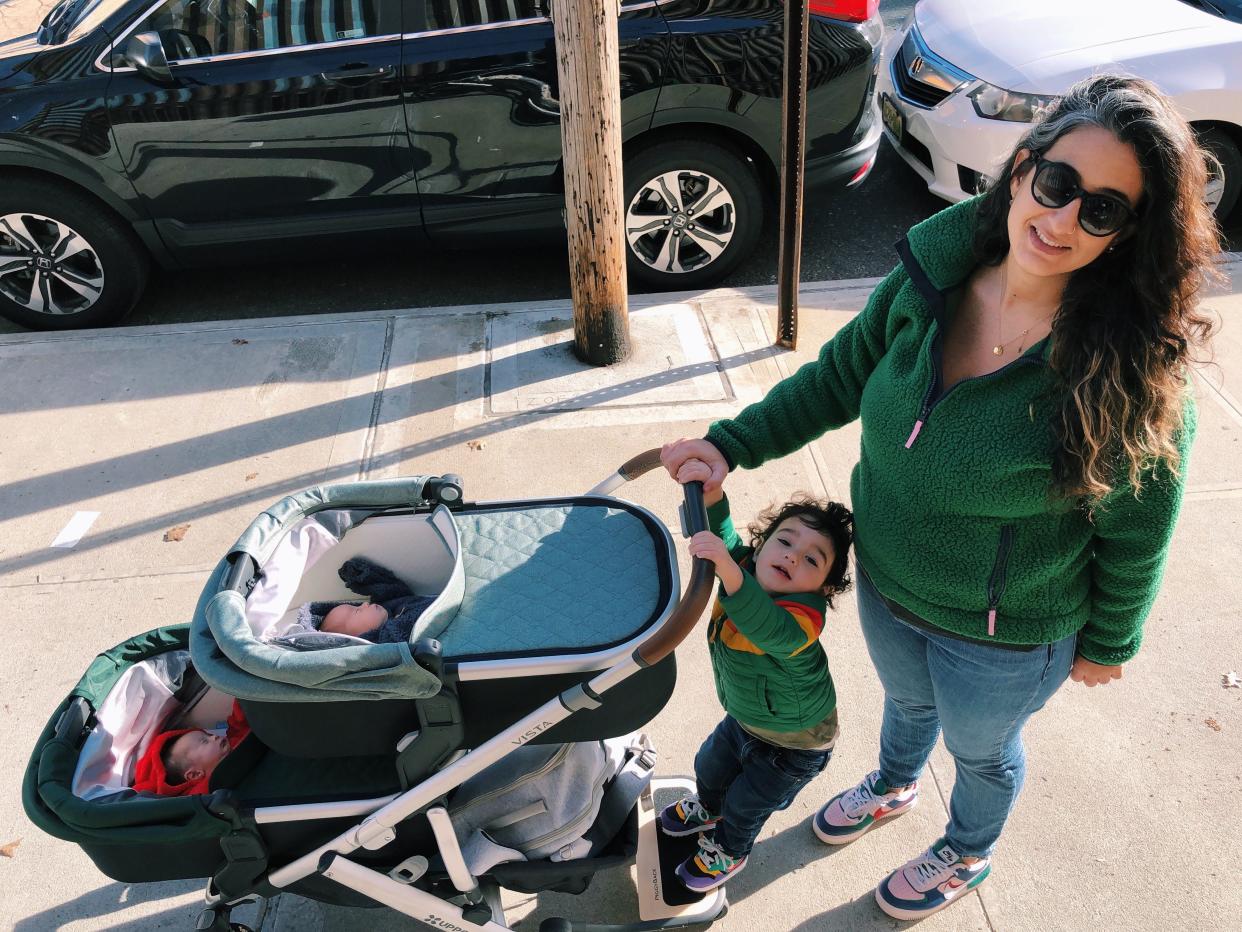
(1055, 184)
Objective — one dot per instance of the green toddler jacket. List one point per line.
(769, 667)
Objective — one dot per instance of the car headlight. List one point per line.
(996, 103)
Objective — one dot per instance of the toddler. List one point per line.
(771, 674)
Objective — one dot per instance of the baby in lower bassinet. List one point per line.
(180, 761)
(388, 618)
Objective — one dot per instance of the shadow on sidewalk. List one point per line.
(67, 487)
(791, 850)
(114, 898)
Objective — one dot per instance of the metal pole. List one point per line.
(793, 156)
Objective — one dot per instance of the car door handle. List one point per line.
(357, 73)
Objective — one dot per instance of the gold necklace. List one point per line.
(999, 348)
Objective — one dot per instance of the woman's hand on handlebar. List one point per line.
(674, 455)
(695, 470)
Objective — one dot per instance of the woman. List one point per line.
(1022, 383)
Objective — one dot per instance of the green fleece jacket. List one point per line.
(953, 514)
(769, 667)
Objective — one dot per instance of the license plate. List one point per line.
(892, 117)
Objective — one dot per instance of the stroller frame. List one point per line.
(476, 905)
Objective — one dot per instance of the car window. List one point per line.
(1226, 9)
(449, 14)
(199, 28)
(79, 19)
(453, 14)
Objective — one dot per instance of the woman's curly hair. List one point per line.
(1128, 325)
(832, 519)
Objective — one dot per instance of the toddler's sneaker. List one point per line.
(686, 817)
(856, 811)
(709, 867)
(930, 882)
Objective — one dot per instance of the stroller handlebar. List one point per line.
(644, 462)
(702, 573)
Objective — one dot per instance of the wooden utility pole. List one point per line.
(588, 68)
(793, 158)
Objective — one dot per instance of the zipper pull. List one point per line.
(918, 425)
(918, 421)
(991, 622)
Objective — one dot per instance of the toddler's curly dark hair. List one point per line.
(832, 519)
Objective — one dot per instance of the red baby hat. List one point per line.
(150, 775)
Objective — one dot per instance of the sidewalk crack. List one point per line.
(944, 802)
(377, 402)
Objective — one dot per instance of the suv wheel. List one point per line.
(64, 261)
(1223, 185)
(693, 211)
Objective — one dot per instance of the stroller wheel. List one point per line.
(215, 920)
(556, 925)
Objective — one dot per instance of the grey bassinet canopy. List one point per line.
(535, 580)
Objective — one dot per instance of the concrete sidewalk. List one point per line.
(1130, 815)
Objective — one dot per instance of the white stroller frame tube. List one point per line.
(410, 901)
(313, 812)
(378, 829)
(450, 850)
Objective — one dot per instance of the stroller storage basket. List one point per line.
(530, 598)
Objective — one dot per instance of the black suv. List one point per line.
(198, 132)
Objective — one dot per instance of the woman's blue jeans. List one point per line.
(979, 695)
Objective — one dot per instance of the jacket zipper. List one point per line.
(926, 406)
(925, 409)
(996, 582)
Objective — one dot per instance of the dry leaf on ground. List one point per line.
(10, 850)
(252, 475)
(474, 444)
(1212, 724)
(176, 533)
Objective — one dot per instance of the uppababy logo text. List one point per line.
(527, 735)
(437, 923)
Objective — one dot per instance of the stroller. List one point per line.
(366, 763)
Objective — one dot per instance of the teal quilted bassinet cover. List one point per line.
(551, 578)
(526, 579)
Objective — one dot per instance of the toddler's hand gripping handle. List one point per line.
(702, 573)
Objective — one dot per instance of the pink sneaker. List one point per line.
(930, 882)
(856, 811)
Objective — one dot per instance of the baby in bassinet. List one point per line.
(388, 618)
(180, 762)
